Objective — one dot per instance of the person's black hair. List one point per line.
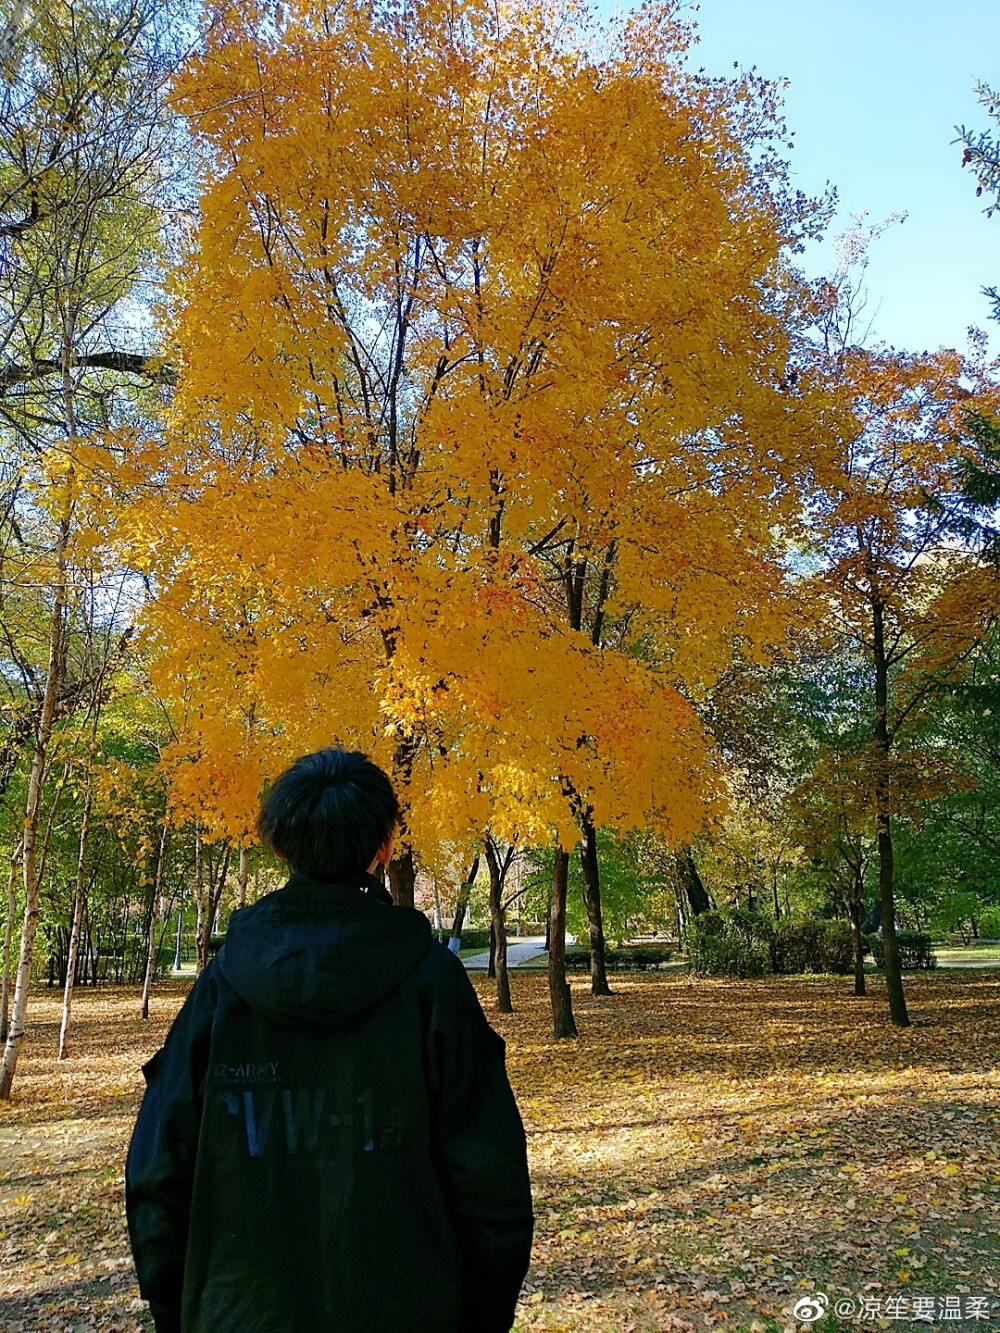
(329, 814)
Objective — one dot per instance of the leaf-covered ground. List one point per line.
(703, 1156)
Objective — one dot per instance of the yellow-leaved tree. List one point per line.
(896, 578)
(488, 426)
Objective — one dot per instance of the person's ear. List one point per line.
(384, 854)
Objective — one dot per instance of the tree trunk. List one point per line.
(119, 952)
(70, 979)
(151, 942)
(402, 878)
(216, 883)
(883, 815)
(559, 992)
(498, 927)
(462, 906)
(857, 940)
(180, 929)
(32, 884)
(199, 900)
(242, 875)
(78, 903)
(694, 889)
(438, 923)
(681, 923)
(55, 669)
(41, 861)
(592, 902)
(8, 931)
(80, 891)
(93, 952)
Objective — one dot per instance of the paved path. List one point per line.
(523, 951)
(519, 952)
(968, 962)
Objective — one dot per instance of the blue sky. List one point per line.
(875, 92)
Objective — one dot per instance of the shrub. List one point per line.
(746, 944)
(915, 950)
(730, 944)
(812, 945)
(797, 946)
(165, 957)
(750, 925)
(836, 948)
(636, 959)
(989, 922)
(477, 937)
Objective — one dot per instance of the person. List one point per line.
(328, 1141)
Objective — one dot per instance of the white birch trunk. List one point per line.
(8, 932)
(33, 803)
(32, 885)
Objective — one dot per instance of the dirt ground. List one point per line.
(706, 1155)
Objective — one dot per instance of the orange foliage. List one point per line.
(885, 526)
(483, 301)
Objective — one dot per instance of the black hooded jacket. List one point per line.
(328, 1142)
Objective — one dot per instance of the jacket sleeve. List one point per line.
(481, 1156)
(159, 1169)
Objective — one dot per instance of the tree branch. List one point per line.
(126, 363)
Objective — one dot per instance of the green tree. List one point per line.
(81, 137)
(892, 586)
(981, 152)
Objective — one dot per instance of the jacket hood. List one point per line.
(321, 953)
